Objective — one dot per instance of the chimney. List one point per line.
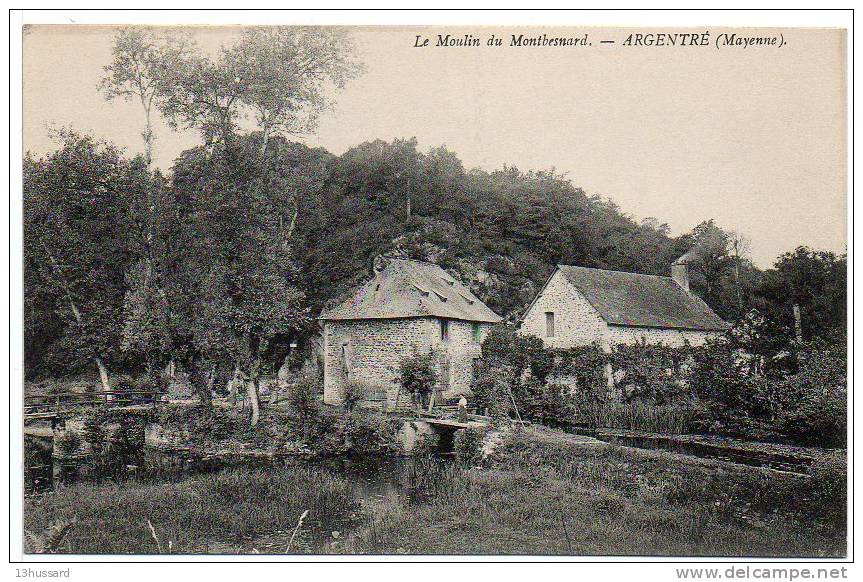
(680, 272)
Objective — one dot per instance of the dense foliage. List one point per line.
(218, 267)
(654, 388)
(212, 259)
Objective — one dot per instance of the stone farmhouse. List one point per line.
(579, 306)
(408, 306)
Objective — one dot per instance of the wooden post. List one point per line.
(798, 328)
(512, 398)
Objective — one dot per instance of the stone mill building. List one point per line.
(579, 306)
(407, 307)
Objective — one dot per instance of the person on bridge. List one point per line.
(462, 409)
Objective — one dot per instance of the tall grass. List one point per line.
(190, 514)
(641, 416)
(550, 497)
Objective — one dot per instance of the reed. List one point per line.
(641, 416)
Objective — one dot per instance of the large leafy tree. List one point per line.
(237, 291)
(244, 295)
(141, 60)
(284, 75)
(76, 249)
(816, 281)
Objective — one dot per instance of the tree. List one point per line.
(814, 280)
(244, 297)
(814, 401)
(281, 75)
(709, 259)
(739, 247)
(242, 209)
(141, 57)
(285, 73)
(137, 72)
(76, 218)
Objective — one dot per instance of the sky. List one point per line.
(754, 138)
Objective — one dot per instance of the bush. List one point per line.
(491, 388)
(505, 345)
(467, 445)
(652, 372)
(357, 433)
(416, 374)
(829, 491)
(541, 381)
(303, 398)
(813, 402)
(68, 442)
(355, 392)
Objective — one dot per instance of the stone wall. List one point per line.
(376, 347)
(576, 322)
(669, 337)
(461, 350)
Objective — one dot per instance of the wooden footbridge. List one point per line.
(60, 404)
(447, 417)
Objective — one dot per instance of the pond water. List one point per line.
(706, 450)
(372, 480)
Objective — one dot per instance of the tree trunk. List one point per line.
(103, 377)
(255, 406)
(211, 379)
(170, 370)
(408, 207)
(103, 371)
(233, 384)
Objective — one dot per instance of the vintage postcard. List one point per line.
(465, 291)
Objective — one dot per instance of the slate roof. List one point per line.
(636, 300)
(409, 288)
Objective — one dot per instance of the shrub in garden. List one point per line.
(813, 402)
(303, 398)
(652, 372)
(467, 445)
(521, 352)
(585, 366)
(68, 442)
(416, 374)
(716, 377)
(356, 392)
(491, 388)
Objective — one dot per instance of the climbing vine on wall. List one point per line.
(652, 372)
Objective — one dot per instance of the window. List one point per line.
(444, 330)
(549, 324)
(477, 332)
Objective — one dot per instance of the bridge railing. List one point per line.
(57, 403)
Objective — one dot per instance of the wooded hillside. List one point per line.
(134, 251)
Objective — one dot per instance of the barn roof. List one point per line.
(636, 300)
(409, 288)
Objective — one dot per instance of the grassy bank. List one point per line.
(542, 492)
(214, 513)
(547, 494)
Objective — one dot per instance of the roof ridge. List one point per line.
(415, 261)
(616, 271)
